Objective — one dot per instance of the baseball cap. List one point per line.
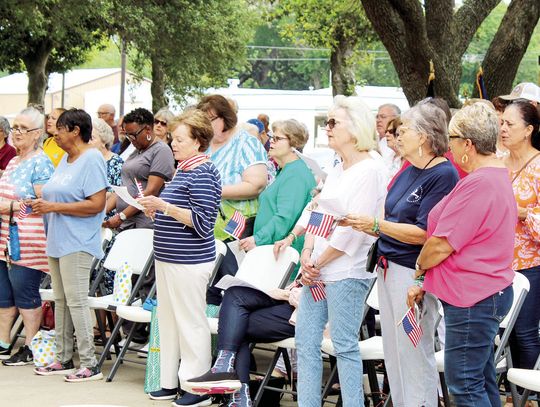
(525, 90)
(257, 123)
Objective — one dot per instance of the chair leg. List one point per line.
(446, 397)
(266, 377)
(17, 332)
(122, 353)
(329, 382)
(373, 382)
(111, 342)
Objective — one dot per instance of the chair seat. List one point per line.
(288, 343)
(46, 294)
(526, 378)
(370, 349)
(102, 302)
(213, 322)
(134, 313)
(439, 358)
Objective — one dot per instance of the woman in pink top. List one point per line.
(468, 255)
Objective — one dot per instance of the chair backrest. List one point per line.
(221, 251)
(106, 236)
(260, 269)
(133, 246)
(373, 297)
(521, 287)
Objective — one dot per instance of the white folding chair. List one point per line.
(529, 379)
(137, 314)
(503, 358)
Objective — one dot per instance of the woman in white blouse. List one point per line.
(339, 261)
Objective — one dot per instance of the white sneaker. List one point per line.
(144, 352)
(132, 345)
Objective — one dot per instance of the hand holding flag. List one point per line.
(411, 326)
(23, 211)
(236, 225)
(320, 224)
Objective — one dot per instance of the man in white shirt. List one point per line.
(386, 113)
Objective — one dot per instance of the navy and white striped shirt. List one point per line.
(198, 190)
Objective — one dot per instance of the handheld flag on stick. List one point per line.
(411, 326)
(320, 224)
(431, 81)
(23, 211)
(140, 193)
(482, 94)
(236, 225)
(318, 291)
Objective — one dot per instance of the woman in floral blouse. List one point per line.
(520, 135)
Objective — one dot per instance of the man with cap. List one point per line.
(525, 90)
(263, 137)
(385, 114)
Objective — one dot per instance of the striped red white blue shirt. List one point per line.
(198, 190)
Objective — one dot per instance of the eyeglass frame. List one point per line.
(331, 123)
(25, 131)
(132, 137)
(275, 139)
(162, 122)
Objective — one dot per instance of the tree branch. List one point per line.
(467, 19)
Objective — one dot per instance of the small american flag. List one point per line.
(320, 224)
(140, 190)
(318, 291)
(411, 327)
(23, 211)
(236, 225)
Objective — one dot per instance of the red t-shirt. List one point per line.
(7, 152)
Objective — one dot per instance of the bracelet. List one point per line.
(306, 248)
(419, 281)
(166, 211)
(375, 229)
(293, 235)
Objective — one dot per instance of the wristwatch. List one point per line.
(417, 267)
(122, 216)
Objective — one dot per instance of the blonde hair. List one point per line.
(104, 132)
(479, 123)
(199, 125)
(361, 121)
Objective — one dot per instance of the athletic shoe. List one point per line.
(56, 368)
(163, 394)
(213, 383)
(84, 374)
(143, 353)
(4, 352)
(132, 345)
(192, 400)
(23, 357)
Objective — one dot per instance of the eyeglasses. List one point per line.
(454, 136)
(384, 116)
(391, 131)
(130, 136)
(103, 113)
(163, 123)
(23, 130)
(275, 139)
(213, 118)
(331, 123)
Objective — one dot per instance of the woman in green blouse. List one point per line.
(281, 203)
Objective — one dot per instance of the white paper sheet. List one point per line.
(313, 165)
(124, 195)
(332, 206)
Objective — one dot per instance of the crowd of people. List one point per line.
(450, 199)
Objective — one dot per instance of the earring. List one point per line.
(148, 137)
(420, 152)
(464, 159)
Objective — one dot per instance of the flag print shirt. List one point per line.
(16, 184)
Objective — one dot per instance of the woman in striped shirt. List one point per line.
(19, 279)
(184, 247)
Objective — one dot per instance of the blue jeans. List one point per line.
(343, 309)
(468, 355)
(524, 341)
(249, 315)
(19, 286)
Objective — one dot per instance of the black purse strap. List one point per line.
(11, 213)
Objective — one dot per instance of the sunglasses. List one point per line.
(331, 123)
(163, 123)
(133, 136)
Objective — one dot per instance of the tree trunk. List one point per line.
(415, 34)
(157, 88)
(342, 67)
(508, 46)
(37, 74)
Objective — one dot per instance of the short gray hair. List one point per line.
(479, 123)
(37, 118)
(428, 119)
(362, 122)
(395, 108)
(4, 126)
(164, 114)
(104, 132)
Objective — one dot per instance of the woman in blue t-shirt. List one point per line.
(185, 250)
(422, 140)
(73, 204)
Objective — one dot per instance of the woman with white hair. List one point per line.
(338, 262)
(162, 119)
(7, 152)
(21, 275)
(423, 141)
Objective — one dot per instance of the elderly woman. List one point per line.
(249, 315)
(520, 135)
(19, 279)
(339, 262)
(241, 161)
(422, 141)
(50, 147)
(161, 120)
(7, 152)
(73, 204)
(185, 215)
(466, 258)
